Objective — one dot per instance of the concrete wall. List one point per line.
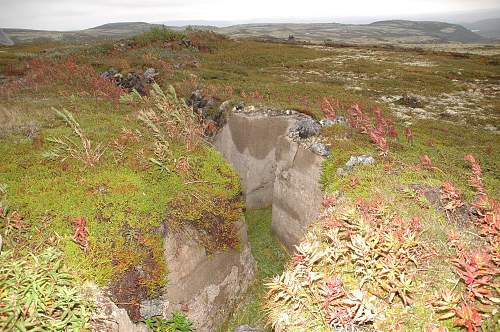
(274, 170)
(204, 287)
(248, 143)
(297, 191)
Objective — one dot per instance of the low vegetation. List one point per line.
(123, 167)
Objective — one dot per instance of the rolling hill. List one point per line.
(382, 32)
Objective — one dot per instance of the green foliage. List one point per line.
(178, 323)
(158, 34)
(36, 293)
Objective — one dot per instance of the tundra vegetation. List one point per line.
(91, 174)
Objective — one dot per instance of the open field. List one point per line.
(130, 179)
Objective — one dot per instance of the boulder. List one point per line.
(246, 328)
(248, 142)
(320, 149)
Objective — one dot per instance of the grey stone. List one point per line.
(320, 149)
(246, 328)
(306, 128)
(325, 123)
(133, 82)
(359, 160)
(150, 74)
(151, 308)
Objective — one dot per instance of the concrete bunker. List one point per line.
(274, 169)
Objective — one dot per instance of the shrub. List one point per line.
(158, 34)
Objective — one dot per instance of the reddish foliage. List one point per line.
(329, 200)
(468, 317)
(81, 233)
(329, 108)
(426, 162)
(477, 270)
(476, 178)
(67, 77)
(409, 135)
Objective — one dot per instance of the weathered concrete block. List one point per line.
(297, 193)
(205, 287)
(248, 143)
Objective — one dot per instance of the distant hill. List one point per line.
(487, 28)
(107, 31)
(385, 32)
(4, 39)
(390, 32)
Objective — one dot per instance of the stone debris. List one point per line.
(411, 100)
(325, 123)
(133, 81)
(150, 74)
(306, 128)
(354, 161)
(320, 149)
(201, 104)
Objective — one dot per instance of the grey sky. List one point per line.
(78, 14)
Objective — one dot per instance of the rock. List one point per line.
(108, 317)
(109, 74)
(151, 308)
(133, 82)
(297, 194)
(246, 328)
(411, 100)
(200, 103)
(320, 149)
(490, 127)
(359, 160)
(325, 123)
(150, 74)
(306, 128)
(248, 142)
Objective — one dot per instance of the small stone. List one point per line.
(246, 328)
(151, 308)
(307, 128)
(150, 74)
(320, 149)
(359, 160)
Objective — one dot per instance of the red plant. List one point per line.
(450, 197)
(476, 178)
(477, 270)
(409, 135)
(329, 107)
(426, 162)
(468, 317)
(81, 233)
(378, 139)
(329, 200)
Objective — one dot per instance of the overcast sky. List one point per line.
(78, 14)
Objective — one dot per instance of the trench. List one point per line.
(280, 184)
